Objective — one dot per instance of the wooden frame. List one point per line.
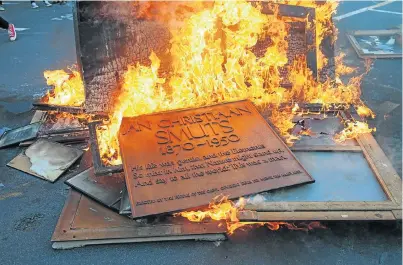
(388, 179)
(49, 107)
(357, 47)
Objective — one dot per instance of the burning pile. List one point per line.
(213, 62)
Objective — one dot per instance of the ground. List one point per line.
(29, 207)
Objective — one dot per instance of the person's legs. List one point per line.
(12, 34)
(1, 6)
(34, 5)
(3, 23)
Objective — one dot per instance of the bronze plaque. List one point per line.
(182, 159)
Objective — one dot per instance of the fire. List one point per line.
(353, 130)
(223, 209)
(212, 61)
(68, 88)
(364, 112)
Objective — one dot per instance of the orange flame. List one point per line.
(212, 62)
(223, 209)
(353, 130)
(68, 88)
(365, 112)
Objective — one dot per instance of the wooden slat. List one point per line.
(327, 148)
(375, 32)
(397, 214)
(322, 206)
(49, 107)
(382, 167)
(319, 216)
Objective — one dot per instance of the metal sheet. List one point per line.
(106, 190)
(82, 164)
(182, 159)
(19, 134)
(125, 208)
(45, 159)
(85, 219)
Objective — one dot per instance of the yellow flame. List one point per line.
(68, 88)
(353, 130)
(365, 112)
(213, 61)
(223, 209)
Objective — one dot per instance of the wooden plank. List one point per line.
(375, 32)
(320, 216)
(383, 168)
(49, 107)
(247, 215)
(322, 206)
(397, 214)
(327, 148)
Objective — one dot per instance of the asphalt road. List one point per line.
(29, 207)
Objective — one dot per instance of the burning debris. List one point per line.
(218, 52)
(223, 209)
(218, 66)
(68, 88)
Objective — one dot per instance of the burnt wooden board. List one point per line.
(109, 37)
(182, 159)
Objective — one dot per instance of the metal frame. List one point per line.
(99, 167)
(123, 229)
(383, 170)
(351, 37)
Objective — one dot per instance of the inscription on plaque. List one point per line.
(182, 159)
